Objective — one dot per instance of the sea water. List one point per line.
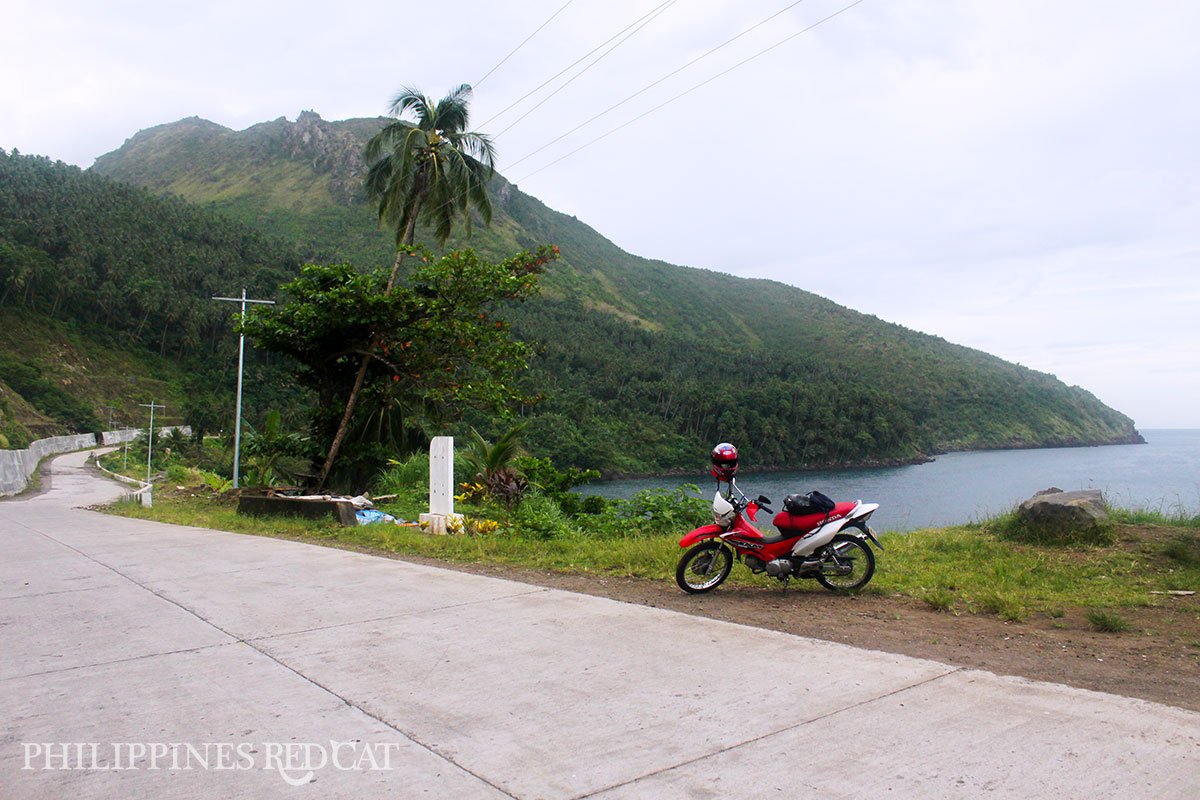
(1161, 475)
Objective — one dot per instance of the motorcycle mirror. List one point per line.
(763, 500)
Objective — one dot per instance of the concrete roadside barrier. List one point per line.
(17, 465)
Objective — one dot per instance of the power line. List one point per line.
(522, 44)
(572, 64)
(689, 91)
(656, 83)
(762, 52)
(652, 16)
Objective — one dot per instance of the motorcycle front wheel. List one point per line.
(848, 565)
(704, 567)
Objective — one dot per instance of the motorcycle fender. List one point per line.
(865, 510)
(871, 536)
(700, 534)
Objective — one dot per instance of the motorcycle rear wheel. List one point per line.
(704, 567)
(855, 553)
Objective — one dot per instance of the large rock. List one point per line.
(1055, 515)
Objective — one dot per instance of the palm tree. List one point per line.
(433, 169)
(494, 467)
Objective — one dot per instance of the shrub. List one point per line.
(1107, 621)
(404, 477)
(27, 380)
(215, 482)
(539, 517)
(552, 481)
(178, 473)
(475, 526)
(593, 504)
(570, 503)
(1011, 526)
(650, 512)
(1184, 548)
(1003, 605)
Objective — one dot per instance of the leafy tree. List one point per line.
(432, 344)
(206, 409)
(433, 168)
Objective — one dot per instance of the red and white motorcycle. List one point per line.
(817, 538)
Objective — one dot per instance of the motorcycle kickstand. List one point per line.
(784, 580)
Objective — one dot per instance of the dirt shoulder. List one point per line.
(1157, 659)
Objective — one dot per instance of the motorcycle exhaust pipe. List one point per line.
(781, 567)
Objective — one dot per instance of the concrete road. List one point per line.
(140, 660)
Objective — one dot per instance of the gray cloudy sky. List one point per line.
(1017, 176)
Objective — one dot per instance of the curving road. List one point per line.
(141, 660)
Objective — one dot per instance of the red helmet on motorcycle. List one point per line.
(724, 461)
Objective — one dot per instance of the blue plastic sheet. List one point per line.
(369, 516)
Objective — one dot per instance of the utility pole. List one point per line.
(150, 435)
(237, 429)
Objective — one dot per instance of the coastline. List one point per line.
(1134, 438)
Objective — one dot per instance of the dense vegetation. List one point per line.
(52, 400)
(88, 263)
(78, 246)
(642, 365)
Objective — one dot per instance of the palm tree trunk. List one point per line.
(409, 234)
(344, 425)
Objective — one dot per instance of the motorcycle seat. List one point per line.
(796, 524)
(779, 537)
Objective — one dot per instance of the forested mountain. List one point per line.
(105, 299)
(644, 364)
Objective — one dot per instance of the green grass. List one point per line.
(1178, 518)
(964, 567)
(989, 573)
(644, 557)
(939, 599)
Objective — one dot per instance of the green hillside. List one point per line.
(56, 378)
(644, 364)
(105, 303)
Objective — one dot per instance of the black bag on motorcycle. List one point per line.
(811, 503)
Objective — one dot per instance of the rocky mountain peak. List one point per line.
(328, 148)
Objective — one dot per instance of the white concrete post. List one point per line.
(441, 517)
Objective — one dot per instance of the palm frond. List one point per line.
(452, 115)
(433, 167)
(505, 449)
(409, 99)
